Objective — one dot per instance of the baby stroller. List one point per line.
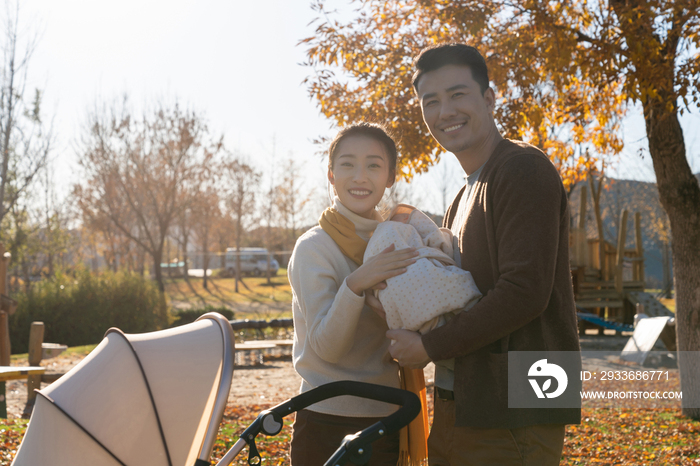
(158, 399)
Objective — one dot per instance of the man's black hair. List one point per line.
(436, 56)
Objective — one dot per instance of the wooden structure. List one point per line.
(608, 278)
(6, 308)
(33, 373)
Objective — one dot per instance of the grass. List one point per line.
(75, 350)
(669, 303)
(274, 449)
(606, 436)
(252, 291)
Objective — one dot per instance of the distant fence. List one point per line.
(261, 324)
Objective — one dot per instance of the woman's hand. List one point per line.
(377, 269)
(373, 302)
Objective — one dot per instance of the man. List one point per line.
(511, 219)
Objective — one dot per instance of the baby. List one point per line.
(434, 288)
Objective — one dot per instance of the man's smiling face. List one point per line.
(458, 115)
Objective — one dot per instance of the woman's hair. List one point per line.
(370, 130)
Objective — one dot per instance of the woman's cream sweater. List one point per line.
(337, 337)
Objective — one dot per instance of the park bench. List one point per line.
(252, 352)
(19, 372)
(34, 373)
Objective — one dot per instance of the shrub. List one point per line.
(79, 309)
(190, 315)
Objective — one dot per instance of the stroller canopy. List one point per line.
(148, 399)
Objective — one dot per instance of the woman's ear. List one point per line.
(330, 176)
(392, 179)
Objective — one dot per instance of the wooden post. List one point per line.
(4, 360)
(36, 338)
(582, 209)
(595, 195)
(5, 348)
(579, 246)
(4, 313)
(621, 237)
(639, 265)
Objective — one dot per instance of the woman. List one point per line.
(336, 336)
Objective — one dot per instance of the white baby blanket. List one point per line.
(433, 286)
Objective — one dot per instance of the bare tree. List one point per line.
(24, 141)
(206, 212)
(184, 226)
(268, 211)
(445, 180)
(19, 231)
(242, 181)
(138, 169)
(291, 201)
(55, 236)
(223, 234)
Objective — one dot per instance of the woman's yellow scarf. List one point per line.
(414, 438)
(343, 233)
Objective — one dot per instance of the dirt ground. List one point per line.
(272, 380)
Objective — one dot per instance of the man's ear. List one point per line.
(330, 177)
(490, 98)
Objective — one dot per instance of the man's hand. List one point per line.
(408, 349)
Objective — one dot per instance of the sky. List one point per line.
(236, 62)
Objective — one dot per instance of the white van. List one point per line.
(253, 262)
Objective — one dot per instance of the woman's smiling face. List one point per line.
(361, 173)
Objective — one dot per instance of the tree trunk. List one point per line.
(665, 257)
(157, 259)
(142, 262)
(679, 193)
(205, 259)
(269, 247)
(186, 275)
(238, 250)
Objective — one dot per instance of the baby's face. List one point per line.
(400, 217)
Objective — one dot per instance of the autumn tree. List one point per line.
(135, 171)
(363, 69)
(565, 73)
(110, 242)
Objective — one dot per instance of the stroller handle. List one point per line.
(270, 422)
(409, 402)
